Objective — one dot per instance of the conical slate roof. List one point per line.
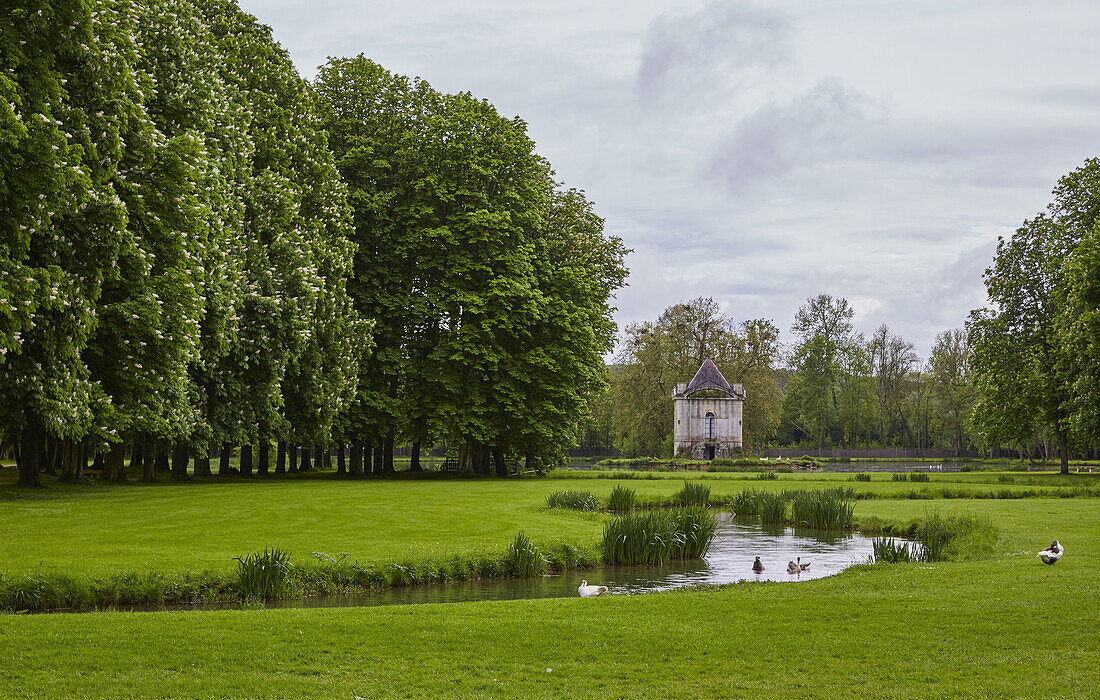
(708, 377)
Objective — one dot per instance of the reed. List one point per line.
(262, 577)
(862, 477)
(919, 476)
(693, 494)
(747, 502)
(621, 499)
(523, 558)
(825, 509)
(767, 476)
(888, 550)
(773, 506)
(658, 536)
(573, 500)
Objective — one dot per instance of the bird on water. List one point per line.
(800, 565)
(1051, 554)
(587, 591)
(758, 566)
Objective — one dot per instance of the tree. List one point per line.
(1025, 367)
(952, 387)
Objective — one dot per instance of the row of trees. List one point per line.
(188, 259)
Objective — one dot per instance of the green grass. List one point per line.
(980, 627)
(573, 500)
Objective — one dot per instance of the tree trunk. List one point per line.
(223, 458)
(148, 458)
(161, 463)
(341, 465)
(114, 464)
(387, 455)
(137, 453)
(263, 466)
(376, 460)
(498, 459)
(280, 458)
(324, 456)
(356, 465)
(304, 466)
(246, 460)
(53, 457)
(202, 461)
(414, 457)
(179, 461)
(28, 457)
(293, 466)
(1063, 451)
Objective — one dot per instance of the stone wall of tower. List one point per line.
(689, 430)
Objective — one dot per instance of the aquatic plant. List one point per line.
(263, 576)
(862, 477)
(919, 476)
(523, 558)
(946, 538)
(888, 550)
(825, 509)
(746, 502)
(573, 500)
(765, 476)
(773, 506)
(658, 536)
(693, 494)
(621, 499)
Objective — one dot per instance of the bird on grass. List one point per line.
(1051, 554)
(587, 591)
(758, 566)
(800, 565)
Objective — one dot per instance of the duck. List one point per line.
(587, 591)
(792, 568)
(1051, 554)
(758, 566)
(800, 565)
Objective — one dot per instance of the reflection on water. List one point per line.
(729, 560)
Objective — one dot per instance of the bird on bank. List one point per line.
(758, 566)
(1051, 554)
(800, 565)
(587, 591)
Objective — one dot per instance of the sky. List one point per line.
(762, 153)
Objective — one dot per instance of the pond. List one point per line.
(729, 560)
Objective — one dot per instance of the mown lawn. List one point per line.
(1002, 627)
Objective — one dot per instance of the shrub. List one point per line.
(693, 494)
(659, 536)
(573, 500)
(523, 558)
(826, 509)
(621, 499)
(262, 577)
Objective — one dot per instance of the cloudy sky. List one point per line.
(761, 153)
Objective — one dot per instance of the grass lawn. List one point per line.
(1004, 626)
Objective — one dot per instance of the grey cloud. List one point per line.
(708, 47)
(820, 125)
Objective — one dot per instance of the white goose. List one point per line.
(587, 591)
(1051, 554)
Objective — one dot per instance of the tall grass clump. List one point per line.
(263, 576)
(897, 476)
(954, 538)
(773, 506)
(888, 550)
(621, 499)
(767, 476)
(825, 509)
(862, 477)
(573, 500)
(747, 502)
(656, 537)
(919, 476)
(693, 494)
(523, 558)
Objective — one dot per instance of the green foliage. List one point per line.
(263, 577)
(573, 500)
(862, 477)
(747, 502)
(919, 476)
(888, 550)
(621, 499)
(693, 494)
(523, 558)
(656, 537)
(772, 506)
(825, 509)
(767, 476)
(954, 538)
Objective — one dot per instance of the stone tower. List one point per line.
(707, 414)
